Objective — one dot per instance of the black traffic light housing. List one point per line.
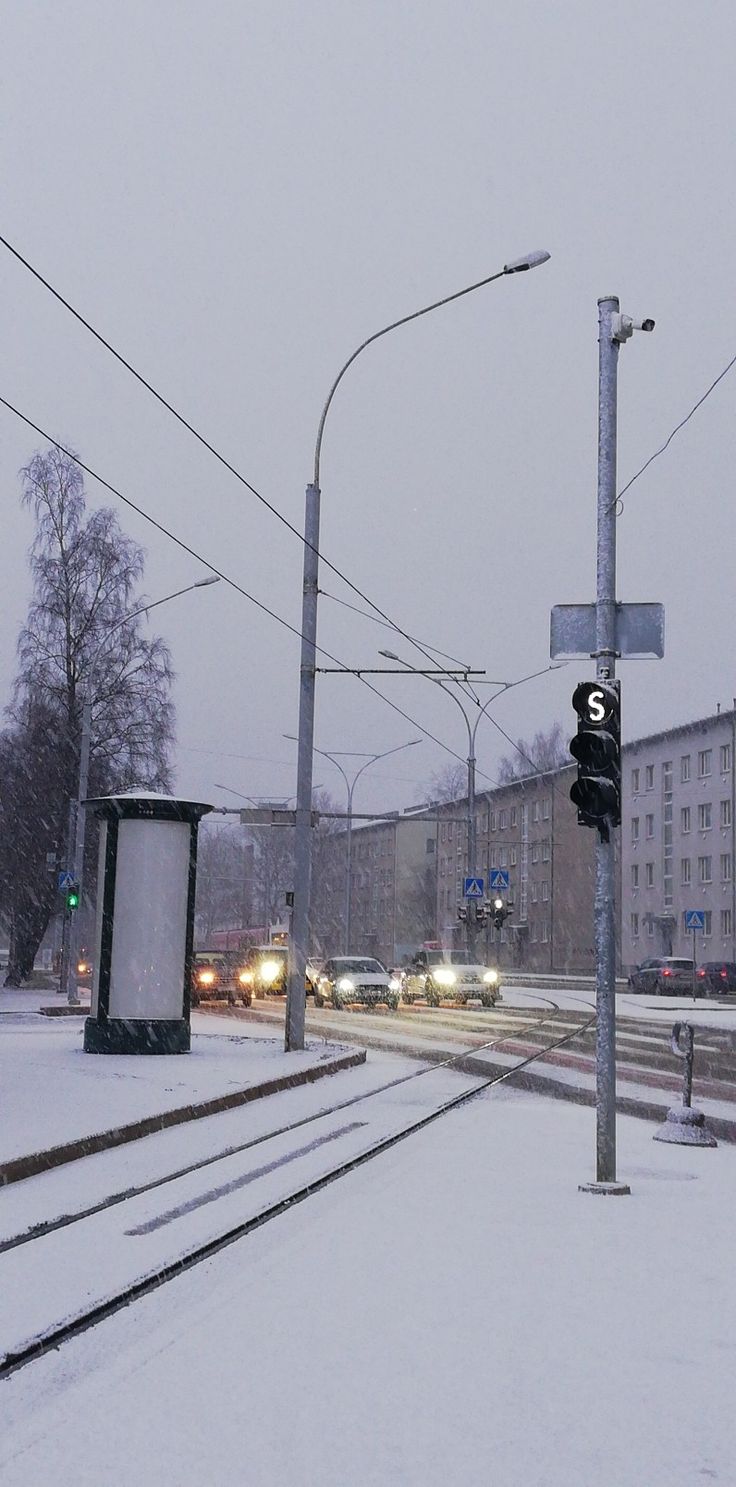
(72, 896)
(597, 748)
(462, 912)
(500, 912)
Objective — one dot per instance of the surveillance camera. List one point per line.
(643, 325)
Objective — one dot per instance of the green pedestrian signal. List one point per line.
(72, 896)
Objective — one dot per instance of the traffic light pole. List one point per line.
(604, 914)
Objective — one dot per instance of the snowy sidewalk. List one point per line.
(456, 1312)
(59, 1103)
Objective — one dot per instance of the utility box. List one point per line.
(144, 930)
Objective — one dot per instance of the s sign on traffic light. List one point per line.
(597, 749)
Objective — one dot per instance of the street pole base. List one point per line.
(608, 1189)
(685, 1127)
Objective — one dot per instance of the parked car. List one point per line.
(716, 977)
(441, 975)
(356, 978)
(665, 975)
(220, 975)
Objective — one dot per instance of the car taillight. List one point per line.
(666, 971)
(723, 975)
(702, 974)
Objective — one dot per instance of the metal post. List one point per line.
(349, 873)
(79, 836)
(695, 984)
(67, 983)
(295, 1001)
(605, 881)
(470, 923)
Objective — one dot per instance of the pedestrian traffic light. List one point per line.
(462, 912)
(500, 913)
(72, 896)
(480, 913)
(597, 748)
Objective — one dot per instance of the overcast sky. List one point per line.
(237, 194)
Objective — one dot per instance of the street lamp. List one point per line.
(295, 1003)
(68, 980)
(350, 786)
(472, 727)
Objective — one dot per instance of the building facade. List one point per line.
(677, 841)
(528, 827)
(393, 887)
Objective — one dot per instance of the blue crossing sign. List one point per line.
(695, 919)
(473, 887)
(499, 878)
(65, 880)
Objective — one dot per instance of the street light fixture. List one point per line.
(295, 1003)
(68, 979)
(350, 786)
(472, 727)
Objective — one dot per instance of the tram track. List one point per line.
(15, 1358)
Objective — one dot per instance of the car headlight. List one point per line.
(206, 978)
(269, 971)
(490, 978)
(82, 968)
(345, 984)
(245, 978)
(394, 985)
(444, 977)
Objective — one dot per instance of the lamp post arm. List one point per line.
(405, 320)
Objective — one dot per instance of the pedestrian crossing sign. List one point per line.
(473, 887)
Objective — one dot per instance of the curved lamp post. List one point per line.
(472, 727)
(295, 1003)
(350, 786)
(68, 979)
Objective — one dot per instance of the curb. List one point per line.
(84, 1146)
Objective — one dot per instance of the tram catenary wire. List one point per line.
(13, 1361)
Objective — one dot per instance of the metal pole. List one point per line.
(295, 1000)
(67, 983)
(79, 836)
(349, 872)
(605, 883)
(470, 923)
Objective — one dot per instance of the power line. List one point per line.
(675, 430)
(204, 441)
(179, 542)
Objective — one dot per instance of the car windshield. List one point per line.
(678, 965)
(447, 957)
(272, 952)
(352, 967)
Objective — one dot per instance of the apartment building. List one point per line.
(393, 886)
(529, 827)
(677, 841)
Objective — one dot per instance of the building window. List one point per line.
(705, 869)
(635, 781)
(545, 891)
(512, 816)
(685, 872)
(545, 851)
(708, 926)
(726, 867)
(635, 875)
(484, 821)
(535, 811)
(685, 820)
(545, 932)
(726, 757)
(725, 813)
(705, 763)
(649, 874)
(450, 825)
(634, 828)
(650, 927)
(635, 926)
(535, 853)
(443, 832)
(545, 809)
(534, 893)
(494, 857)
(726, 923)
(705, 816)
(431, 844)
(503, 817)
(493, 820)
(649, 777)
(503, 858)
(649, 827)
(685, 768)
(667, 775)
(512, 857)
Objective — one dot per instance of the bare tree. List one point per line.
(85, 573)
(224, 880)
(329, 865)
(546, 751)
(448, 783)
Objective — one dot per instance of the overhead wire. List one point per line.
(186, 547)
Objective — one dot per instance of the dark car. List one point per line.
(716, 977)
(219, 975)
(665, 975)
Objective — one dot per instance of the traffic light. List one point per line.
(480, 913)
(597, 748)
(72, 896)
(462, 912)
(500, 913)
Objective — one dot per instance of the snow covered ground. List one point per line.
(453, 1312)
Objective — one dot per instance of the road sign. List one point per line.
(639, 630)
(695, 919)
(499, 878)
(473, 887)
(65, 880)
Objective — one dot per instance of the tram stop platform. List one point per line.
(60, 1103)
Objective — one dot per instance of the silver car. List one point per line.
(355, 978)
(448, 975)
